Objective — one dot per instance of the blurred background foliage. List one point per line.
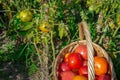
(32, 32)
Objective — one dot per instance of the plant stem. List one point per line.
(97, 39)
(22, 50)
(116, 31)
(104, 33)
(53, 47)
(117, 52)
(37, 51)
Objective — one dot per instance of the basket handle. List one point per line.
(83, 30)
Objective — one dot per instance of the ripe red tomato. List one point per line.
(80, 77)
(85, 63)
(101, 65)
(82, 49)
(96, 77)
(64, 67)
(83, 71)
(103, 77)
(75, 60)
(67, 75)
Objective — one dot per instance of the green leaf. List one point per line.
(27, 26)
(22, 50)
(62, 31)
(29, 35)
(0, 25)
(33, 68)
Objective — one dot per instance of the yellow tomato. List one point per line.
(44, 27)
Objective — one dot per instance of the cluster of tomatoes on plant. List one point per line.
(27, 16)
(74, 66)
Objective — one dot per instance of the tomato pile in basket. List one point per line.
(75, 66)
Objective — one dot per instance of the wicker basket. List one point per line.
(91, 47)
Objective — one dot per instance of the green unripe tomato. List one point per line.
(26, 15)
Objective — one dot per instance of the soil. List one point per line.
(10, 71)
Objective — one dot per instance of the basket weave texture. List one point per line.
(93, 49)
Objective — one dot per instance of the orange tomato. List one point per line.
(80, 77)
(101, 65)
(66, 57)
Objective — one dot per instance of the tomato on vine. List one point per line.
(26, 15)
(44, 27)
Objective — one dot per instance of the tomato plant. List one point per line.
(101, 65)
(75, 60)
